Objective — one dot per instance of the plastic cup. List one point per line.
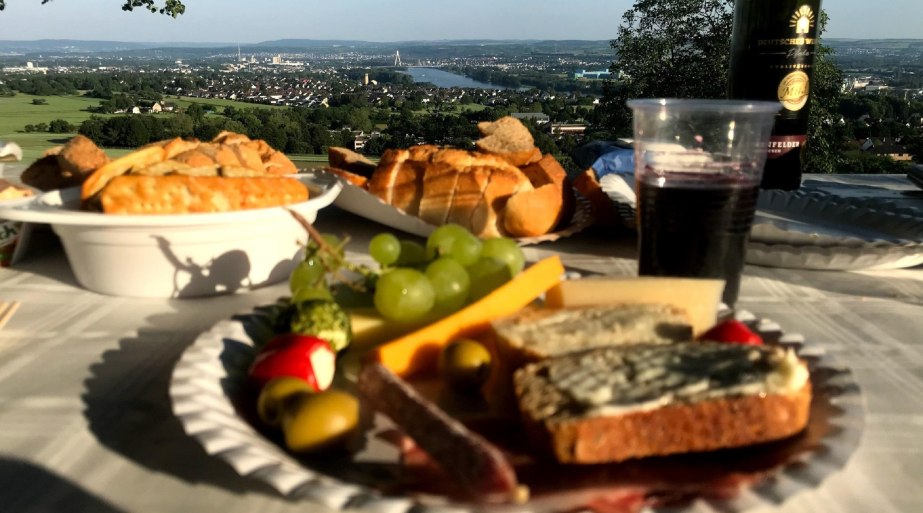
(698, 165)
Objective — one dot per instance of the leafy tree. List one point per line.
(171, 7)
(667, 48)
(93, 129)
(867, 163)
(681, 48)
(827, 133)
(39, 101)
(61, 126)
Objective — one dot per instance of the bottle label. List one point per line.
(793, 90)
(779, 145)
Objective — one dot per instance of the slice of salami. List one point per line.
(478, 465)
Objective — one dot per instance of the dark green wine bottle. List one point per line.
(772, 58)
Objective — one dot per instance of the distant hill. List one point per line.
(85, 47)
(77, 46)
(892, 44)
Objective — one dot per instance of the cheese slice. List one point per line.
(370, 328)
(699, 297)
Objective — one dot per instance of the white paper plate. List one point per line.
(815, 230)
(360, 202)
(183, 255)
(209, 393)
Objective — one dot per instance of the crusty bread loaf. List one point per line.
(533, 213)
(439, 185)
(65, 166)
(510, 139)
(487, 218)
(535, 334)
(177, 194)
(617, 403)
(449, 185)
(353, 178)
(348, 160)
(604, 211)
(185, 175)
(228, 154)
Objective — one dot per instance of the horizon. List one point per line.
(221, 21)
(460, 40)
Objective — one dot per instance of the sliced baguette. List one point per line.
(618, 403)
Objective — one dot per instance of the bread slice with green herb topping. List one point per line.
(617, 403)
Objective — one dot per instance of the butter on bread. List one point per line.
(186, 175)
(616, 403)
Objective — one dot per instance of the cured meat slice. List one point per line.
(479, 466)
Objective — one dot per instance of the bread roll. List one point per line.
(510, 139)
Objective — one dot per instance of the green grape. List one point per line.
(308, 273)
(385, 248)
(333, 241)
(404, 295)
(466, 249)
(349, 297)
(311, 293)
(486, 275)
(412, 253)
(505, 250)
(450, 283)
(440, 241)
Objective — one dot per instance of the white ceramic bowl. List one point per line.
(178, 256)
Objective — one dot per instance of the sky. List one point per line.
(252, 21)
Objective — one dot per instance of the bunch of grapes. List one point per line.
(453, 269)
(414, 282)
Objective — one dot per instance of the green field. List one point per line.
(18, 111)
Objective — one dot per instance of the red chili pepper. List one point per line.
(734, 332)
(300, 356)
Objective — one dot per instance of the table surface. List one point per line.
(86, 421)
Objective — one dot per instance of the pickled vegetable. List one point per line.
(318, 422)
(465, 364)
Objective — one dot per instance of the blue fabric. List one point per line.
(619, 161)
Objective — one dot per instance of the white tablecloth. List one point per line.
(86, 421)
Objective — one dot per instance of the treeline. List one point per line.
(149, 86)
(295, 130)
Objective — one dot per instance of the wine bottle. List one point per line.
(772, 56)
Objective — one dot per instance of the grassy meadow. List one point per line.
(18, 111)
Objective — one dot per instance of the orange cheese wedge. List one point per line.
(419, 351)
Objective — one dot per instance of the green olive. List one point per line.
(465, 364)
(315, 422)
(272, 397)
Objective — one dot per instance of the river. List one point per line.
(441, 78)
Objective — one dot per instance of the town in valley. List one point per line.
(305, 95)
